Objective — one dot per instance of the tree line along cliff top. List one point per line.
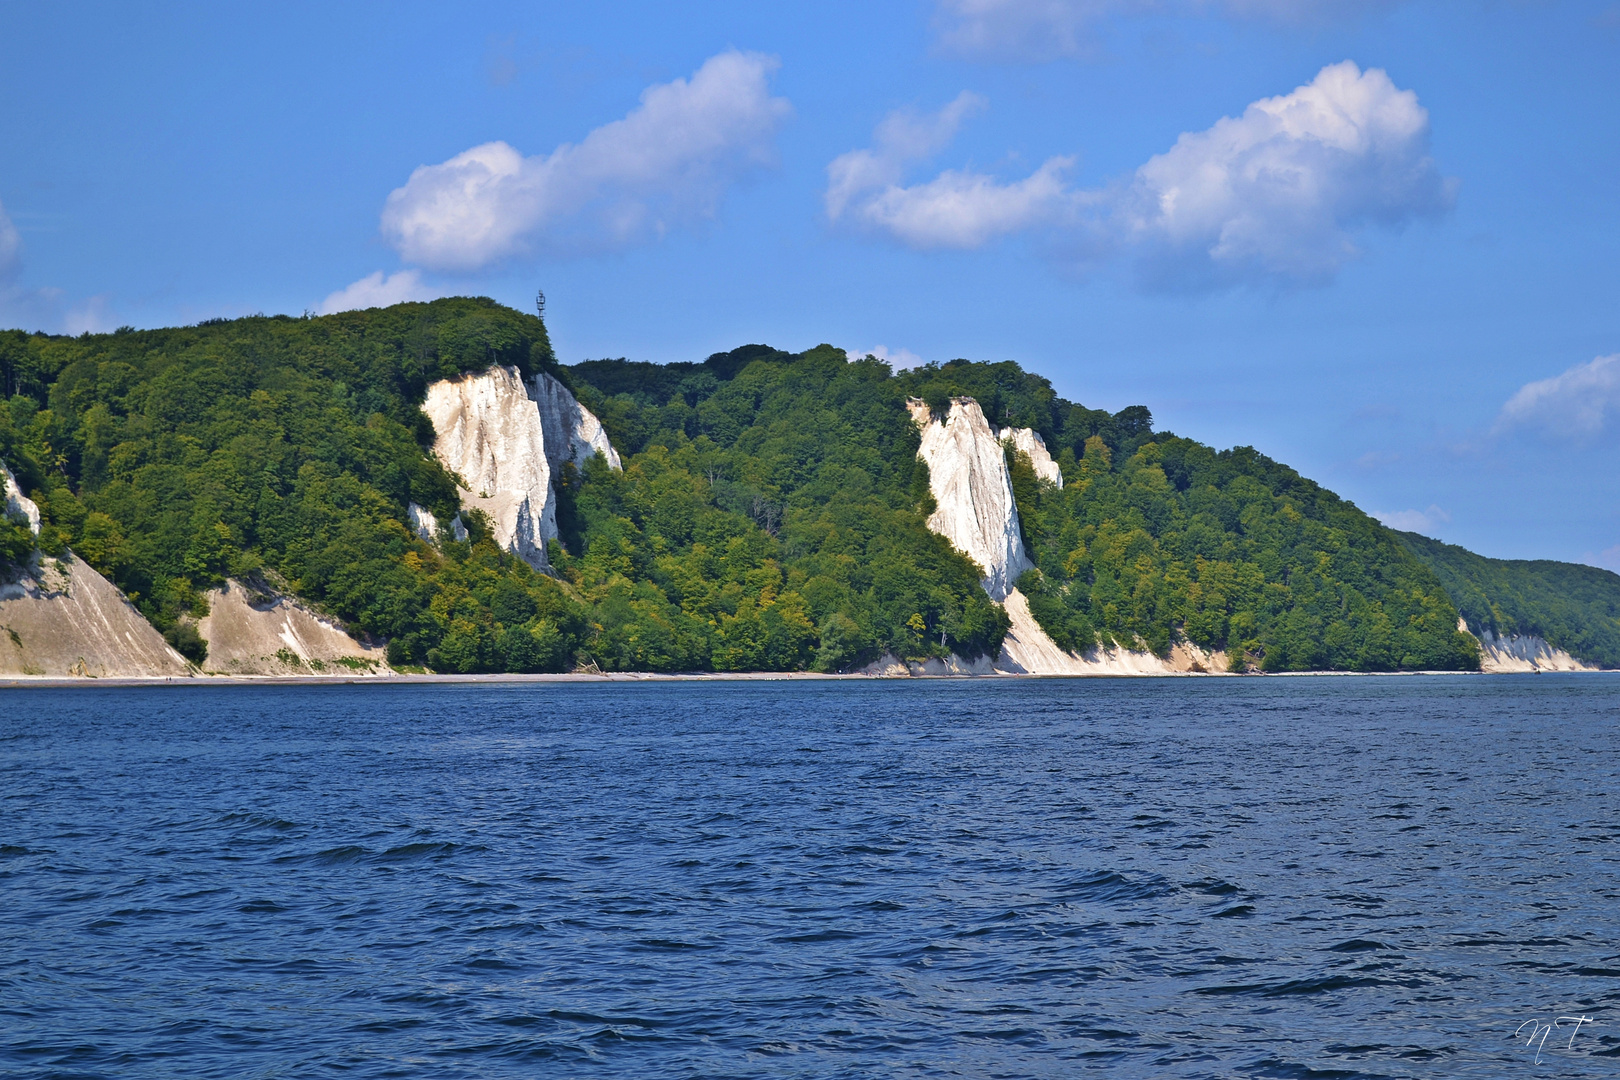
(770, 515)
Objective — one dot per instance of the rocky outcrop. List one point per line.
(253, 632)
(13, 503)
(573, 433)
(62, 618)
(1028, 441)
(1521, 653)
(425, 525)
(1028, 650)
(973, 496)
(507, 441)
(488, 434)
(976, 512)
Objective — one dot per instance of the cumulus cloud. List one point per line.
(665, 164)
(1575, 404)
(1275, 192)
(1034, 31)
(1420, 521)
(1271, 195)
(902, 138)
(375, 290)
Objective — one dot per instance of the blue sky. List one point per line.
(1376, 240)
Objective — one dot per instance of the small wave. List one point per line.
(260, 906)
(1236, 911)
(337, 856)
(412, 852)
(665, 944)
(1358, 945)
(1106, 886)
(258, 821)
(1320, 985)
(818, 936)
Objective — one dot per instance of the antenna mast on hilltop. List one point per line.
(540, 303)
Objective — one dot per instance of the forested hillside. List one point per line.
(770, 514)
(1154, 536)
(1575, 608)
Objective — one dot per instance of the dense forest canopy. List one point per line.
(770, 514)
(1573, 607)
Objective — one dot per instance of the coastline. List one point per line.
(18, 682)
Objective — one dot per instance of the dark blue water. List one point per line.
(1311, 877)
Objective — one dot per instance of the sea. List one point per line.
(1303, 877)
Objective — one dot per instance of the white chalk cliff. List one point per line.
(506, 441)
(1522, 653)
(1028, 441)
(973, 496)
(976, 512)
(13, 503)
(573, 433)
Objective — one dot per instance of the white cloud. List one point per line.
(903, 137)
(1423, 521)
(955, 209)
(665, 164)
(967, 210)
(375, 290)
(898, 359)
(1034, 31)
(1574, 404)
(1271, 195)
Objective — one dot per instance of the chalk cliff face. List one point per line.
(489, 435)
(573, 433)
(967, 473)
(1029, 441)
(13, 503)
(507, 442)
(426, 525)
(253, 633)
(1522, 653)
(63, 618)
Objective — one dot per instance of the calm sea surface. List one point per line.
(1285, 877)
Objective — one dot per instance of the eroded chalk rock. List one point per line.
(1028, 650)
(507, 442)
(967, 473)
(1522, 653)
(13, 503)
(426, 525)
(1029, 441)
(61, 618)
(252, 632)
(573, 433)
(490, 436)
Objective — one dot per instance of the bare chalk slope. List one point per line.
(63, 618)
(253, 633)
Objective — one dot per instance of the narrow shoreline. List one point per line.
(131, 681)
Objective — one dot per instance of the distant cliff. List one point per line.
(426, 487)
